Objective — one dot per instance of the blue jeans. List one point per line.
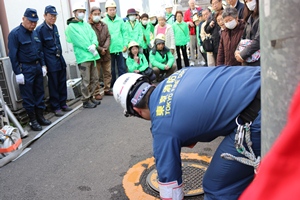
(117, 59)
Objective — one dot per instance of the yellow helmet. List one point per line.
(110, 4)
(78, 6)
(132, 44)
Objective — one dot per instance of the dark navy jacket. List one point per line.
(24, 47)
(51, 47)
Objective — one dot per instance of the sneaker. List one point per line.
(98, 97)
(108, 93)
(58, 113)
(89, 104)
(66, 108)
(96, 102)
(192, 64)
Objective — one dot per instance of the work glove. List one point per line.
(95, 53)
(202, 49)
(92, 49)
(44, 69)
(20, 79)
(188, 44)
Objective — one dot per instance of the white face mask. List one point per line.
(96, 19)
(144, 22)
(132, 18)
(153, 21)
(251, 5)
(231, 25)
(80, 16)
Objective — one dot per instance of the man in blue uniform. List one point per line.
(55, 62)
(197, 105)
(27, 59)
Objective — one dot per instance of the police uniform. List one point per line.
(184, 111)
(27, 58)
(56, 65)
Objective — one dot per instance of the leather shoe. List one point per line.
(108, 93)
(98, 97)
(34, 125)
(58, 113)
(89, 104)
(96, 102)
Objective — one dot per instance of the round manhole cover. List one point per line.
(192, 176)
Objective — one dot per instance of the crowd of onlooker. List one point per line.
(153, 44)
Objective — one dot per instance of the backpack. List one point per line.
(10, 140)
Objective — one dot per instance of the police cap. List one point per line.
(51, 10)
(31, 14)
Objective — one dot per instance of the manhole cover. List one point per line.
(192, 175)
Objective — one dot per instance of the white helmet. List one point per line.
(132, 44)
(78, 6)
(110, 4)
(169, 5)
(123, 88)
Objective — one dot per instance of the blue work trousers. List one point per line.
(32, 91)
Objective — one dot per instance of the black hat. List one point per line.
(31, 14)
(51, 10)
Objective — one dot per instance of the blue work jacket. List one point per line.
(51, 47)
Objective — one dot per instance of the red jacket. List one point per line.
(188, 17)
(279, 172)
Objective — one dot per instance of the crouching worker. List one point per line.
(137, 62)
(198, 105)
(162, 59)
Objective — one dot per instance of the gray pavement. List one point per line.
(84, 156)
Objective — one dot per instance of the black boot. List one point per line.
(34, 125)
(40, 118)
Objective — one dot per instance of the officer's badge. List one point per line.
(54, 10)
(33, 14)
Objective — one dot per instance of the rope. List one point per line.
(243, 131)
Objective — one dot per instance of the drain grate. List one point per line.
(192, 175)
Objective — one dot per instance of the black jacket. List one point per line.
(251, 32)
(240, 8)
(213, 31)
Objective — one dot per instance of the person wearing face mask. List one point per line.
(238, 5)
(85, 44)
(153, 22)
(133, 28)
(146, 34)
(251, 32)
(103, 64)
(230, 37)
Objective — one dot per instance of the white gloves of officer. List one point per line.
(20, 79)
(93, 50)
(44, 69)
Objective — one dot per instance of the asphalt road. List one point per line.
(85, 156)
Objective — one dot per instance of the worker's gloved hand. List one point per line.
(92, 48)
(44, 69)
(171, 190)
(20, 79)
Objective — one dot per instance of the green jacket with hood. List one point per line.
(146, 35)
(81, 35)
(135, 32)
(181, 33)
(132, 65)
(119, 38)
(162, 58)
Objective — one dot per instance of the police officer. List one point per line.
(197, 105)
(55, 62)
(27, 59)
